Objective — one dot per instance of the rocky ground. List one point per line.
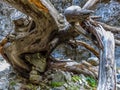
(53, 79)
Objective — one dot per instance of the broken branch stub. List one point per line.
(76, 14)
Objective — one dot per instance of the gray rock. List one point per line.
(58, 76)
(59, 88)
(93, 60)
(4, 84)
(61, 76)
(118, 78)
(35, 78)
(83, 79)
(38, 61)
(67, 76)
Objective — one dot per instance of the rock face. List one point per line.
(109, 12)
(7, 15)
(4, 72)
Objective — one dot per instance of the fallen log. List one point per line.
(107, 67)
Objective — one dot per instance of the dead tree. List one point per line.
(46, 28)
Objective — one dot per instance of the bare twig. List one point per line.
(110, 28)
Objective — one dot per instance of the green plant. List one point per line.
(91, 81)
(12, 83)
(76, 78)
(56, 84)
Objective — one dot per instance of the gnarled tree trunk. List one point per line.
(35, 36)
(44, 29)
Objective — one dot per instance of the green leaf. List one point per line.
(76, 78)
(56, 84)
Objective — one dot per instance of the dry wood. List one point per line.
(76, 14)
(110, 28)
(113, 29)
(35, 40)
(44, 35)
(91, 29)
(77, 42)
(47, 32)
(79, 68)
(117, 42)
(89, 4)
(107, 67)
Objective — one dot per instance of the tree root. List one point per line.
(77, 42)
(79, 68)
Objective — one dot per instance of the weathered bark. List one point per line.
(34, 37)
(113, 29)
(110, 28)
(47, 29)
(89, 4)
(107, 67)
(79, 68)
(86, 46)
